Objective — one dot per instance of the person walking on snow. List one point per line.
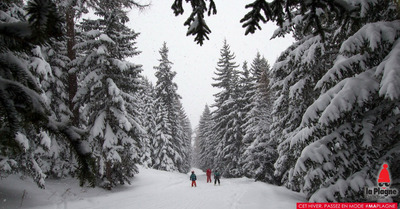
(208, 172)
(193, 179)
(217, 175)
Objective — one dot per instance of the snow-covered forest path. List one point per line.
(153, 189)
(163, 190)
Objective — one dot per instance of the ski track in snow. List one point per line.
(149, 189)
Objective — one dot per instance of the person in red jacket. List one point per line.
(208, 172)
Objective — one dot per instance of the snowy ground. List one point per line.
(150, 189)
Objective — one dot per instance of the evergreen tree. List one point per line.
(293, 78)
(244, 101)
(256, 95)
(247, 85)
(25, 113)
(170, 139)
(265, 153)
(73, 12)
(47, 65)
(334, 96)
(196, 162)
(163, 151)
(350, 126)
(106, 93)
(186, 136)
(227, 116)
(204, 141)
(260, 153)
(147, 110)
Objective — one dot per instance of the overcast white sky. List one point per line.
(195, 64)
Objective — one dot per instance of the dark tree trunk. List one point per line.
(72, 79)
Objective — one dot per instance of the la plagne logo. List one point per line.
(383, 189)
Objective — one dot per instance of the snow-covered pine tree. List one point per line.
(294, 76)
(248, 84)
(48, 64)
(106, 92)
(73, 9)
(265, 153)
(260, 153)
(346, 133)
(25, 114)
(244, 101)
(227, 115)
(55, 55)
(148, 115)
(352, 128)
(186, 136)
(73, 12)
(196, 150)
(170, 141)
(205, 143)
(294, 88)
(257, 94)
(163, 151)
(245, 84)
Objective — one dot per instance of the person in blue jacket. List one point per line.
(217, 176)
(193, 178)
